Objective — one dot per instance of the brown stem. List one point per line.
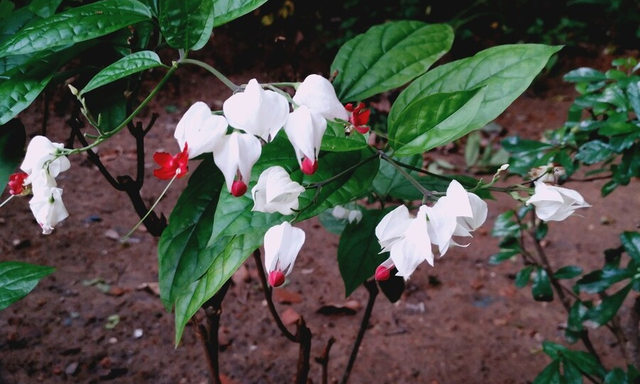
(633, 333)
(372, 288)
(268, 296)
(615, 328)
(303, 337)
(323, 360)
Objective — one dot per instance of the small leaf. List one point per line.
(523, 276)
(631, 243)
(601, 280)
(44, 8)
(568, 272)
(584, 75)
(572, 373)
(500, 257)
(505, 225)
(75, 25)
(541, 288)
(609, 306)
(128, 65)
(186, 24)
(593, 152)
(18, 279)
(388, 56)
(225, 11)
(472, 149)
(549, 375)
(616, 376)
(12, 140)
(358, 250)
(585, 361)
(541, 230)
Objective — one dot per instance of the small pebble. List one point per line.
(113, 340)
(137, 333)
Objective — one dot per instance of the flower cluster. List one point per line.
(42, 164)
(409, 239)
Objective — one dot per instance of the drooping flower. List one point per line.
(305, 128)
(170, 165)
(282, 243)
(235, 155)
(351, 215)
(276, 192)
(555, 203)
(200, 129)
(318, 94)
(47, 207)
(547, 173)
(358, 117)
(392, 227)
(16, 184)
(470, 210)
(256, 111)
(43, 154)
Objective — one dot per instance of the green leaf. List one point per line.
(228, 10)
(500, 257)
(541, 288)
(18, 279)
(515, 144)
(601, 280)
(553, 350)
(576, 316)
(472, 149)
(505, 225)
(609, 306)
(183, 254)
(224, 265)
(388, 56)
(572, 373)
(434, 120)
(568, 272)
(5, 8)
(12, 140)
(186, 24)
(586, 362)
(549, 375)
(503, 71)
(75, 25)
(128, 65)
(631, 243)
(593, 152)
(44, 8)
(541, 230)
(523, 276)
(234, 215)
(633, 92)
(616, 376)
(331, 223)
(584, 75)
(359, 252)
(393, 288)
(335, 140)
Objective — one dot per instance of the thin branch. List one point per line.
(633, 333)
(303, 337)
(372, 288)
(268, 296)
(323, 359)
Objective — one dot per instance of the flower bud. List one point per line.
(16, 183)
(276, 278)
(309, 167)
(382, 273)
(238, 188)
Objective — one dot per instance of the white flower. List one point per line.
(42, 154)
(318, 94)
(351, 215)
(406, 239)
(555, 203)
(305, 128)
(256, 111)
(200, 129)
(47, 207)
(276, 192)
(470, 210)
(235, 155)
(281, 246)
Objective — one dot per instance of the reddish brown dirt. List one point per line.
(474, 327)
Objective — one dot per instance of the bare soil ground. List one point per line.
(460, 322)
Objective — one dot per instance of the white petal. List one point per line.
(318, 94)
(392, 227)
(282, 243)
(48, 209)
(276, 192)
(305, 129)
(235, 153)
(200, 129)
(40, 152)
(441, 227)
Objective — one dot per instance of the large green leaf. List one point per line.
(229, 10)
(18, 279)
(75, 25)
(224, 265)
(504, 71)
(234, 215)
(12, 139)
(359, 252)
(388, 56)
(609, 306)
(183, 255)
(434, 120)
(186, 24)
(128, 65)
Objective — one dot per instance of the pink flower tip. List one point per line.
(309, 167)
(16, 183)
(382, 273)
(276, 278)
(238, 188)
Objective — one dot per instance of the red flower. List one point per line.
(16, 183)
(358, 117)
(171, 166)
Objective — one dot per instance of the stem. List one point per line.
(6, 201)
(268, 296)
(633, 334)
(322, 183)
(303, 337)
(425, 192)
(213, 71)
(323, 360)
(372, 288)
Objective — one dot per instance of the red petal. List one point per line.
(276, 278)
(163, 159)
(309, 167)
(382, 273)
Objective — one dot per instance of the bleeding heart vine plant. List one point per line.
(278, 153)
